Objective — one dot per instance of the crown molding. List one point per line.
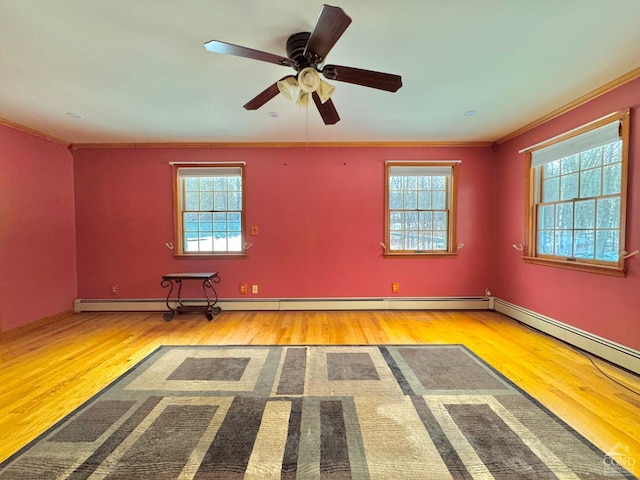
(82, 146)
(31, 131)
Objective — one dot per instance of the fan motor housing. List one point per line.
(296, 44)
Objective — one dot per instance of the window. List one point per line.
(209, 208)
(420, 213)
(577, 197)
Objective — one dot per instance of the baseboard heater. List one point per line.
(613, 352)
(239, 304)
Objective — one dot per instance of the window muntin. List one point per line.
(419, 208)
(210, 213)
(579, 197)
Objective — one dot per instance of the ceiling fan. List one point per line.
(306, 52)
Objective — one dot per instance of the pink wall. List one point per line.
(606, 306)
(37, 229)
(319, 213)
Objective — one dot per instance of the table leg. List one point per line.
(211, 309)
(172, 311)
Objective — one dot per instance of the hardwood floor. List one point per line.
(51, 367)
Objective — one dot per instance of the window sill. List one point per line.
(580, 266)
(211, 255)
(420, 254)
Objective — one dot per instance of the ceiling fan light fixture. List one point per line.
(325, 90)
(309, 79)
(288, 87)
(304, 99)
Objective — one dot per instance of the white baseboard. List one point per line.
(614, 352)
(238, 304)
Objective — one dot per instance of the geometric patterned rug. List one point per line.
(311, 412)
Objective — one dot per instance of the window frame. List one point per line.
(534, 181)
(452, 245)
(179, 250)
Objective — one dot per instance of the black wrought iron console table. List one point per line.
(208, 279)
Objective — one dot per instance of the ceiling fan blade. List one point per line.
(264, 96)
(366, 78)
(329, 28)
(327, 110)
(217, 46)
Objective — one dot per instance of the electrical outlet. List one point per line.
(243, 288)
(254, 229)
(114, 289)
(254, 289)
(395, 287)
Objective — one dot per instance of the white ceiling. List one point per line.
(137, 71)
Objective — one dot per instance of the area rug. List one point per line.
(311, 412)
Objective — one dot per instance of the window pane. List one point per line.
(546, 217)
(411, 200)
(190, 222)
(425, 220)
(569, 186)
(425, 241)
(439, 200)
(192, 201)
(220, 184)
(397, 241)
(612, 179)
(438, 183)
(220, 201)
(439, 220)
(411, 240)
(585, 214)
(395, 183)
(440, 240)
(564, 243)
(191, 183)
(612, 153)
(424, 183)
(591, 158)
(551, 190)
(424, 200)
(206, 201)
(206, 183)
(590, 183)
(545, 242)
(234, 227)
(609, 213)
(235, 184)
(410, 183)
(411, 219)
(220, 243)
(569, 164)
(396, 221)
(205, 222)
(564, 216)
(552, 169)
(395, 200)
(234, 243)
(584, 244)
(607, 245)
(191, 242)
(234, 201)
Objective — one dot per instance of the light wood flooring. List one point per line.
(51, 367)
